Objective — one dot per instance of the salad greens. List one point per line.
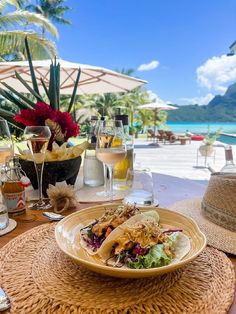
(155, 256)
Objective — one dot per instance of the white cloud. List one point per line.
(217, 73)
(153, 97)
(202, 100)
(149, 66)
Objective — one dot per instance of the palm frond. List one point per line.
(61, 20)
(4, 3)
(21, 17)
(41, 48)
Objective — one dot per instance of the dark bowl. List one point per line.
(54, 171)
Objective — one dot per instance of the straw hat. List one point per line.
(215, 213)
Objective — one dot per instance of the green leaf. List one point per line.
(9, 116)
(36, 95)
(13, 99)
(20, 17)
(52, 88)
(11, 41)
(45, 87)
(72, 100)
(33, 77)
(29, 104)
(6, 113)
(58, 69)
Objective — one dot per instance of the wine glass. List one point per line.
(37, 139)
(6, 145)
(110, 148)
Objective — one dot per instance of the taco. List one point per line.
(93, 235)
(141, 243)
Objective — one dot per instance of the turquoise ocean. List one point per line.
(204, 128)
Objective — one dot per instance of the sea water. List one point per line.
(202, 127)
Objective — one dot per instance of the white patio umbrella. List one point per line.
(93, 79)
(156, 107)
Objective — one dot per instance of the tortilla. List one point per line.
(150, 215)
(182, 247)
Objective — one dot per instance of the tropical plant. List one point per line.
(210, 138)
(12, 40)
(40, 113)
(50, 9)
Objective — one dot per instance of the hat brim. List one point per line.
(217, 236)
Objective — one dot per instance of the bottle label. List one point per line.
(15, 202)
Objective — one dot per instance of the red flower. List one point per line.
(68, 127)
(41, 112)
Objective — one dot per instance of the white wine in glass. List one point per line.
(37, 139)
(110, 148)
(6, 145)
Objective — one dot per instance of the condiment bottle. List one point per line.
(14, 182)
(122, 167)
(229, 166)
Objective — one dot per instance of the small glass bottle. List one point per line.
(229, 166)
(14, 182)
(121, 168)
(93, 168)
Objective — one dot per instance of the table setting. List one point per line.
(103, 234)
(48, 265)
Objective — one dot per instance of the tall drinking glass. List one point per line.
(110, 148)
(6, 145)
(37, 139)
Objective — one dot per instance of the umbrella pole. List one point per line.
(155, 120)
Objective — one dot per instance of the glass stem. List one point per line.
(110, 170)
(106, 176)
(39, 172)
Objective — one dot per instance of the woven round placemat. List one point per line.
(39, 278)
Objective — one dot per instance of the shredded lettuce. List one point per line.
(156, 256)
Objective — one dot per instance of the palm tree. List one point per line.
(12, 40)
(50, 9)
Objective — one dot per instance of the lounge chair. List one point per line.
(170, 137)
(162, 135)
(151, 135)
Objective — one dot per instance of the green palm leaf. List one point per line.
(4, 3)
(22, 17)
(11, 41)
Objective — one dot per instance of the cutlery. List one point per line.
(4, 301)
(53, 216)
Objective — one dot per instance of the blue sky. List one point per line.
(183, 43)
